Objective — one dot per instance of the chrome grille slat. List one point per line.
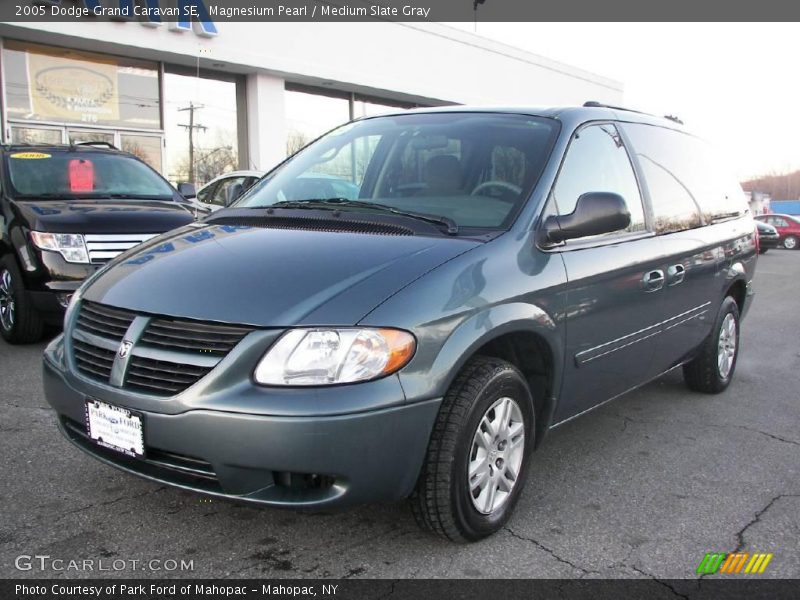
(105, 247)
(170, 356)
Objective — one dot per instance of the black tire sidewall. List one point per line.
(507, 382)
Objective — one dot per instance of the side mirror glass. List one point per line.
(187, 190)
(595, 213)
(233, 193)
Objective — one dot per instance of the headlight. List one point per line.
(70, 245)
(331, 356)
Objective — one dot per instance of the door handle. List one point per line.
(676, 274)
(653, 281)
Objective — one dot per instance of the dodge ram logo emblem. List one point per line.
(124, 348)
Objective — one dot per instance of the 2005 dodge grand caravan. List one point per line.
(500, 272)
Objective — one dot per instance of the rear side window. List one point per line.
(597, 161)
(687, 179)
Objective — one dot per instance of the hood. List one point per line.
(104, 216)
(269, 277)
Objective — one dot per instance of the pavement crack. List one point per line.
(662, 582)
(551, 552)
(740, 543)
(769, 435)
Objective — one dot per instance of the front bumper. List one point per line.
(329, 460)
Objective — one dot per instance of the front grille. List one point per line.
(169, 356)
(162, 377)
(105, 321)
(104, 247)
(159, 464)
(93, 361)
(208, 338)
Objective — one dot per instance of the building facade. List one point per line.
(243, 95)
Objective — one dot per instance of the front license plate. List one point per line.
(115, 428)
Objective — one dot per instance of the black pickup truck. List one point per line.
(65, 211)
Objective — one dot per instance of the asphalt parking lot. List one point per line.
(642, 487)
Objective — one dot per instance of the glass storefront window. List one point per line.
(60, 85)
(146, 147)
(214, 134)
(36, 135)
(77, 136)
(308, 116)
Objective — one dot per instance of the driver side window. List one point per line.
(597, 161)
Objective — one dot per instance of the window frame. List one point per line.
(614, 237)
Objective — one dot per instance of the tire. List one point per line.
(790, 242)
(443, 502)
(763, 250)
(20, 322)
(705, 373)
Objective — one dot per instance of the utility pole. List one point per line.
(191, 127)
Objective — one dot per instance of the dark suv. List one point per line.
(64, 212)
(498, 273)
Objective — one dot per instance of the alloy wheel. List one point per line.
(7, 308)
(495, 458)
(726, 348)
(790, 243)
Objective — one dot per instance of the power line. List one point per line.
(191, 127)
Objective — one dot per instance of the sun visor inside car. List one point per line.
(81, 175)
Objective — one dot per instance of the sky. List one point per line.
(735, 84)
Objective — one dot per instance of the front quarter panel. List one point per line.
(505, 286)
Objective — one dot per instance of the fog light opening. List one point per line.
(299, 482)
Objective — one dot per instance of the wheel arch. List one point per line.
(524, 335)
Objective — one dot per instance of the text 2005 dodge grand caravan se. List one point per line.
(498, 273)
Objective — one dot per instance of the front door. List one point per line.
(615, 281)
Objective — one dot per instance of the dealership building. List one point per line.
(246, 94)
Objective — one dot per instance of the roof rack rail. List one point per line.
(108, 145)
(595, 104)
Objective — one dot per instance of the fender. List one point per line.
(474, 332)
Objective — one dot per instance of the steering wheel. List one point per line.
(503, 185)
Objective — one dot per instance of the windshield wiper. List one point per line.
(336, 203)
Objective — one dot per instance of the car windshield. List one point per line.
(62, 174)
(466, 169)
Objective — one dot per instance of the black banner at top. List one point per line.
(208, 12)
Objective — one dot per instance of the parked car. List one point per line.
(788, 227)
(215, 194)
(64, 212)
(500, 273)
(768, 237)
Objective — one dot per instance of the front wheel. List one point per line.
(20, 323)
(711, 371)
(790, 242)
(478, 454)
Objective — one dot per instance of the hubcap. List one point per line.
(6, 300)
(495, 458)
(726, 349)
(790, 243)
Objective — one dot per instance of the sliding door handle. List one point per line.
(676, 274)
(653, 281)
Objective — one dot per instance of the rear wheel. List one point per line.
(790, 242)
(712, 369)
(20, 322)
(478, 454)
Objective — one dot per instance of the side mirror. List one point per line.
(187, 190)
(233, 193)
(595, 213)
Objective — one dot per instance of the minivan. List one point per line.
(500, 272)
